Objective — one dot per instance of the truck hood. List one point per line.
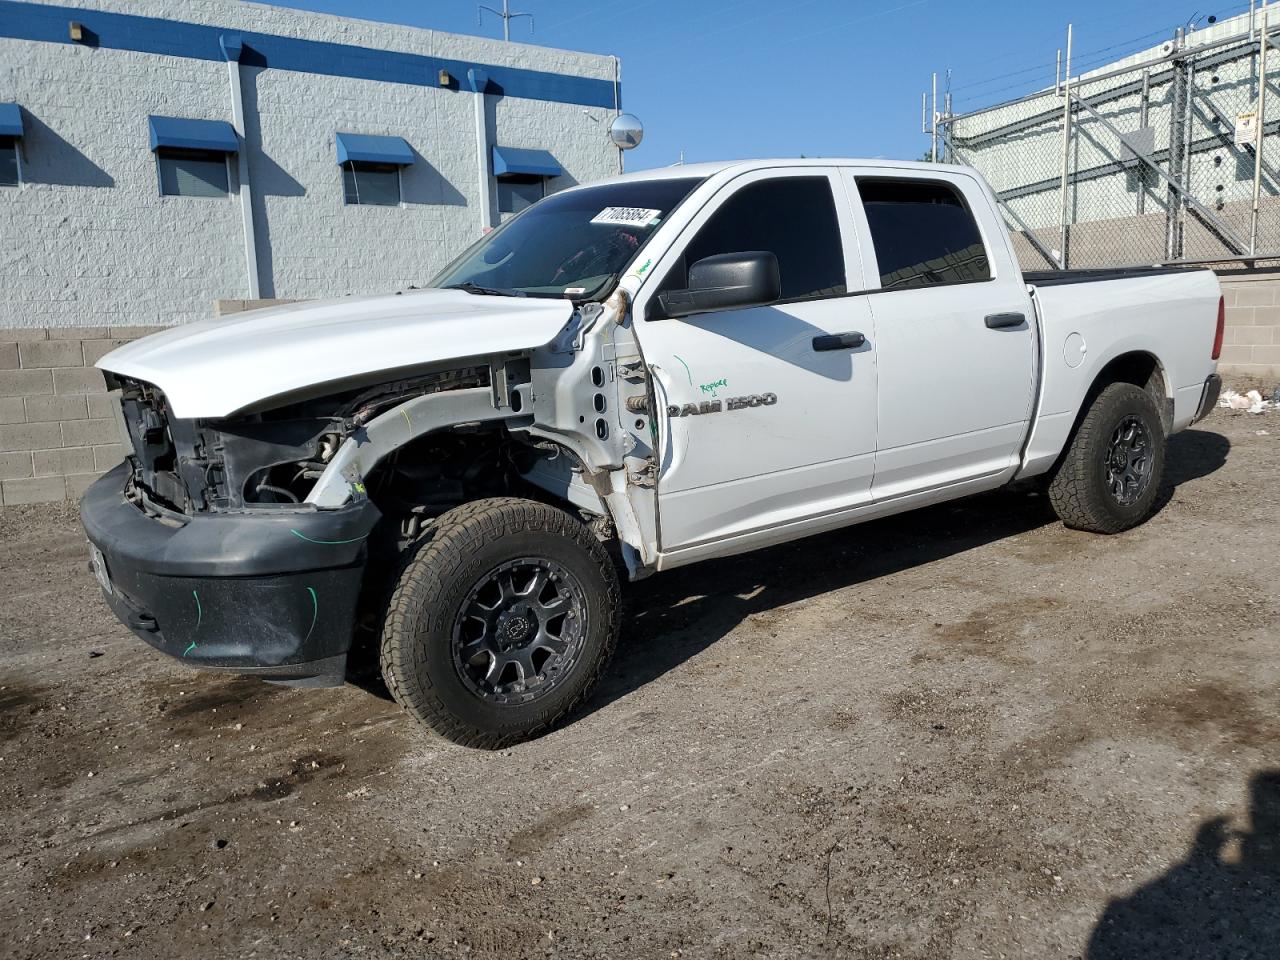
(215, 368)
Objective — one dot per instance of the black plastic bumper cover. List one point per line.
(268, 592)
(1209, 396)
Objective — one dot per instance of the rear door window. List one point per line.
(794, 218)
(923, 232)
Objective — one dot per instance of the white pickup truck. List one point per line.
(666, 367)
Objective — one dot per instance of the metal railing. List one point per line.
(1172, 160)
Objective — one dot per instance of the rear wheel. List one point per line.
(1110, 475)
(500, 622)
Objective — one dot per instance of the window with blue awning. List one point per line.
(191, 155)
(522, 176)
(365, 148)
(181, 133)
(515, 161)
(10, 120)
(10, 134)
(371, 167)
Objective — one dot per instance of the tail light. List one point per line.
(1222, 323)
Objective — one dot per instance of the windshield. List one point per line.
(573, 244)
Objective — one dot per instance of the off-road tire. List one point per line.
(1079, 491)
(435, 579)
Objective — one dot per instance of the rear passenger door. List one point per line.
(955, 334)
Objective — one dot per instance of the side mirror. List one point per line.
(726, 281)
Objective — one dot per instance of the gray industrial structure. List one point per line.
(1159, 160)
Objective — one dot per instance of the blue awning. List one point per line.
(193, 134)
(364, 148)
(536, 163)
(10, 120)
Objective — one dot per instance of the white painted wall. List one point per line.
(91, 242)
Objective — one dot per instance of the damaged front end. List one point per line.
(210, 542)
(257, 460)
(252, 542)
(205, 547)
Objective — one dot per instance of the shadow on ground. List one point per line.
(669, 619)
(1222, 900)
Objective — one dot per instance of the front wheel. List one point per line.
(1110, 475)
(501, 622)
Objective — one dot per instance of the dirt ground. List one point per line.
(965, 732)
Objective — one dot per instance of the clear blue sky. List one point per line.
(726, 79)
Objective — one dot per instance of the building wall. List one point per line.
(1251, 346)
(96, 245)
(57, 429)
(95, 242)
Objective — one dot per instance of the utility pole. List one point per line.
(506, 15)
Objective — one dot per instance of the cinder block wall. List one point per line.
(57, 431)
(1251, 346)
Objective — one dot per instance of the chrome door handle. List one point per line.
(839, 341)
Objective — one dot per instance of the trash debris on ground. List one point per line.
(1251, 402)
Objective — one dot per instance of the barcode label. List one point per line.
(628, 216)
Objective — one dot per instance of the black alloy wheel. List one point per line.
(519, 632)
(1128, 460)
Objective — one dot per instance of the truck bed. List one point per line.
(1053, 278)
(1089, 317)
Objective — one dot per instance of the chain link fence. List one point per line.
(1158, 165)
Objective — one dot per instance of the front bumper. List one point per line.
(1208, 397)
(269, 592)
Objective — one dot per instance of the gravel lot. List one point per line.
(965, 732)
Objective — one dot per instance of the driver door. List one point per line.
(767, 420)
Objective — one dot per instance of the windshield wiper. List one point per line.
(475, 288)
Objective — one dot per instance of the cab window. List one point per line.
(924, 234)
(793, 218)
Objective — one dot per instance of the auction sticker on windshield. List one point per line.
(628, 216)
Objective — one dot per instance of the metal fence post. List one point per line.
(946, 113)
(933, 127)
(1188, 136)
(1259, 130)
(1064, 232)
(1177, 118)
(1144, 110)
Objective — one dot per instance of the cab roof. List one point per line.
(708, 169)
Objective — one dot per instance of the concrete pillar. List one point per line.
(478, 80)
(232, 47)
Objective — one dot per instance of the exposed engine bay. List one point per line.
(540, 425)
